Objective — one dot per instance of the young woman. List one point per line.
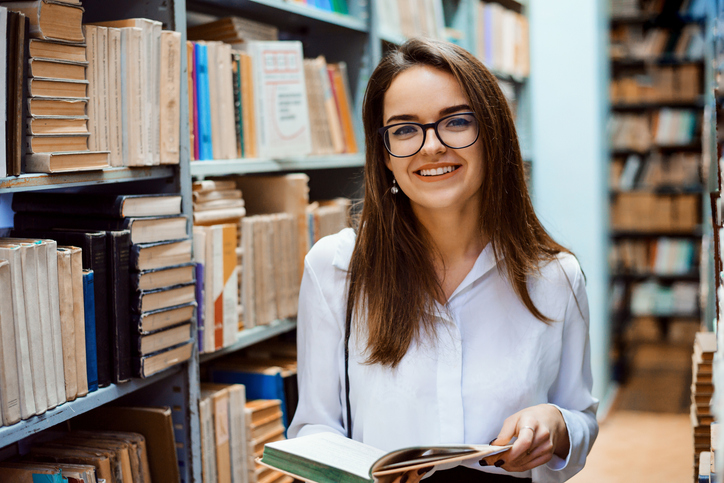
(449, 315)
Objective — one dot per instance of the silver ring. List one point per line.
(527, 427)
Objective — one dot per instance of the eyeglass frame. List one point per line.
(425, 128)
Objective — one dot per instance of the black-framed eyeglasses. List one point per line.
(456, 131)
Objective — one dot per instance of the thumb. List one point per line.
(507, 432)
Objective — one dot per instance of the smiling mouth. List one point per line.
(436, 171)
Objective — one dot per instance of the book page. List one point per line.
(333, 450)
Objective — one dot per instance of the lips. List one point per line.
(436, 172)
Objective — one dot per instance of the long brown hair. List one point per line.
(393, 283)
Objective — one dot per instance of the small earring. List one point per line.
(394, 190)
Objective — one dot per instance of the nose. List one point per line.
(432, 144)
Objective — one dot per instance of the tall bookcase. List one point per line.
(654, 216)
(354, 39)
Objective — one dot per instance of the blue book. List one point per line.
(200, 304)
(260, 383)
(204, 106)
(89, 307)
(325, 5)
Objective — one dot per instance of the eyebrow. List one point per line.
(443, 113)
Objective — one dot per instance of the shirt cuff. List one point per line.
(557, 463)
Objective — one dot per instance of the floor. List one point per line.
(646, 437)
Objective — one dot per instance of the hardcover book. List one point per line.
(332, 458)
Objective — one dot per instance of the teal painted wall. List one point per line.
(568, 92)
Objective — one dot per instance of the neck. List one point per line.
(455, 233)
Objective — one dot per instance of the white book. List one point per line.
(52, 260)
(208, 441)
(76, 275)
(13, 254)
(115, 103)
(237, 434)
(213, 259)
(46, 324)
(3, 91)
(280, 96)
(9, 383)
(29, 256)
(132, 145)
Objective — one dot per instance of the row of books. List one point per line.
(327, 218)
(234, 432)
(38, 75)
(664, 127)
(635, 41)
(411, 18)
(636, 8)
(111, 444)
(702, 391)
(678, 171)
(652, 298)
(336, 6)
(139, 250)
(240, 110)
(48, 327)
(647, 329)
(681, 83)
(662, 256)
(502, 39)
(648, 212)
(94, 92)
(85, 456)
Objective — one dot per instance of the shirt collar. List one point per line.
(485, 262)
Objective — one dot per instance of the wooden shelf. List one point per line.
(664, 190)
(68, 410)
(693, 147)
(642, 106)
(656, 234)
(248, 337)
(635, 277)
(221, 167)
(661, 60)
(26, 182)
(285, 15)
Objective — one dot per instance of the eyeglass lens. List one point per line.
(455, 132)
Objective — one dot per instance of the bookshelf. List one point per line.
(355, 39)
(657, 70)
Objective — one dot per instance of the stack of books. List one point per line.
(702, 390)
(264, 419)
(155, 297)
(57, 125)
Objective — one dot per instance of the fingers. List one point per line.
(541, 452)
(413, 476)
(523, 444)
(508, 430)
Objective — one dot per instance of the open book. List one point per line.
(332, 458)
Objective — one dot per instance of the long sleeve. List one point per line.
(320, 352)
(571, 391)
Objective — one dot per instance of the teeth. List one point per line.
(437, 171)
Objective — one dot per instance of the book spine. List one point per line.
(204, 115)
(90, 330)
(118, 300)
(200, 303)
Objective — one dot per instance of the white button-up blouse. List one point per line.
(490, 358)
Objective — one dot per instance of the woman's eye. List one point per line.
(406, 130)
(458, 122)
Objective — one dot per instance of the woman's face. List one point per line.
(424, 95)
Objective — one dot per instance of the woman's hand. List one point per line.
(413, 476)
(541, 433)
